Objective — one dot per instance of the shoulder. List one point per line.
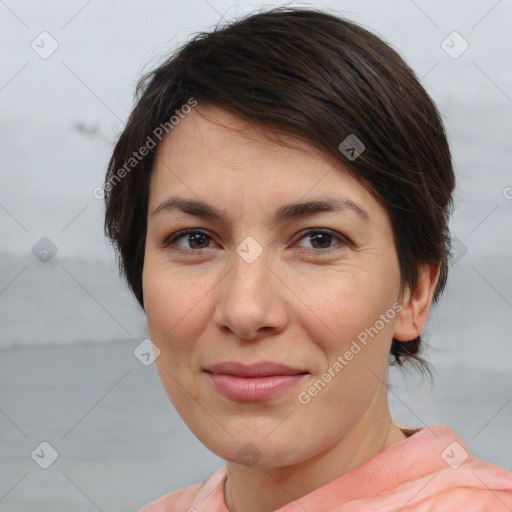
(437, 472)
(488, 484)
(182, 500)
(474, 487)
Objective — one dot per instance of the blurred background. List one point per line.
(71, 371)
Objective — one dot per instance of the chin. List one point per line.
(261, 450)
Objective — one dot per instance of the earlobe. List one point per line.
(412, 318)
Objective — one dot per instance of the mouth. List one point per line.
(260, 369)
(250, 383)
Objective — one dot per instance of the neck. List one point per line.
(254, 489)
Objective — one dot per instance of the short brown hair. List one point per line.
(321, 78)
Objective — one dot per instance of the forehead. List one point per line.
(215, 155)
(221, 136)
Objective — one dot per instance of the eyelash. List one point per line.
(180, 234)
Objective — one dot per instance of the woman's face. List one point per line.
(314, 290)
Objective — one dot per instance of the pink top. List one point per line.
(432, 470)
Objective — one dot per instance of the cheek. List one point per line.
(177, 310)
(173, 305)
(341, 312)
(341, 302)
(343, 318)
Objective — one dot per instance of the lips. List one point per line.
(252, 383)
(260, 369)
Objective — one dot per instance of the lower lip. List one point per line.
(248, 389)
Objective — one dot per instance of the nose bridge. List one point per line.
(250, 276)
(249, 300)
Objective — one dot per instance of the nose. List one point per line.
(251, 300)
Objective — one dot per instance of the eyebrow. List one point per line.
(282, 214)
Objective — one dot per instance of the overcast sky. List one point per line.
(60, 115)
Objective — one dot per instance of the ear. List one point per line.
(413, 316)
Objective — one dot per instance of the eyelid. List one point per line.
(181, 233)
(342, 239)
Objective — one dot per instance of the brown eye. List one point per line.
(322, 239)
(195, 239)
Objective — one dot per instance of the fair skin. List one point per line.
(301, 302)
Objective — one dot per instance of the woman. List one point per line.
(247, 151)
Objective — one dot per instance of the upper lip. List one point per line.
(260, 369)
